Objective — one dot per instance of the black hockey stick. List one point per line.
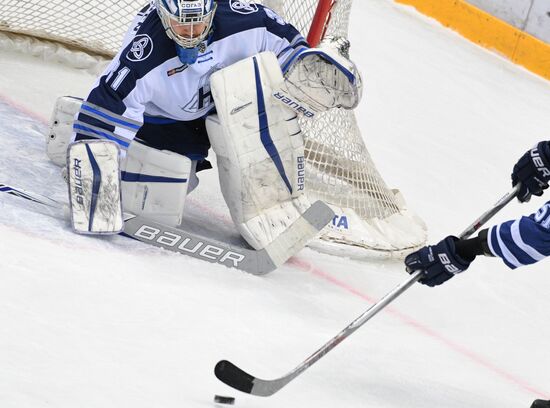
(233, 376)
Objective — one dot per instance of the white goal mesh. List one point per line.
(370, 216)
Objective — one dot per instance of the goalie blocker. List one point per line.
(94, 187)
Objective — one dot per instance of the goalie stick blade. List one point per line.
(256, 262)
(197, 245)
(37, 202)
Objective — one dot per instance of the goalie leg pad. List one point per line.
(155, 183)
(94, 187)
(259, 149)
(60, 130)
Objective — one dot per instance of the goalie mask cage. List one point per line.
(371, 219)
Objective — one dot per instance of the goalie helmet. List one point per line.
(188, 23)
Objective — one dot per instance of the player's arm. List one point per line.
(517, 242)
(113, 110)
(105, 114)
(523, 241)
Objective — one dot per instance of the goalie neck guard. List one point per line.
(188, 23)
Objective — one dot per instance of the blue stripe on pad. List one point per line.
(96, 183)
(265, 136)
(144, 178)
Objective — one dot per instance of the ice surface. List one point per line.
(87, 322)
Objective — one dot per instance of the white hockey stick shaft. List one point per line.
(237, 378)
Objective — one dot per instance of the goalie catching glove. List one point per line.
(324, 78)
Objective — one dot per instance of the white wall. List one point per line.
(538, 23)
(513, 11)
(528, 15)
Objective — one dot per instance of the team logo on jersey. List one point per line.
(243, 6)
(202, 100)
(141, 48)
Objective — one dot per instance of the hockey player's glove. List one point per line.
(533, 171)
(439, 262)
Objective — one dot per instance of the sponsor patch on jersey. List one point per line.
(177, 70)
(142, 48)
(243, 6)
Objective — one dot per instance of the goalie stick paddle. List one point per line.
(191, 243)
(235, 377)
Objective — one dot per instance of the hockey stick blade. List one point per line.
(230, 374)
(235, 377)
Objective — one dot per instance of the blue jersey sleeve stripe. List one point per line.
(109, 117)
(87, 126)
(299, 40)
(84, 130)
(507, 255)
(287, 49)
(505, 234)
(491, 241)
(102, 118)
(515, 229)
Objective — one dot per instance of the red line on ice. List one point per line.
(21, 108)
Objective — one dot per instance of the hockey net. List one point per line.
(371, 219)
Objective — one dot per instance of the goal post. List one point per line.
(371, 220)
(320, 22)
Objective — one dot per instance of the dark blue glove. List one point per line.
(532, 171)
(439, 262)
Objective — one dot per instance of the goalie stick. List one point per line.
(235, 377)
(184, 241)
